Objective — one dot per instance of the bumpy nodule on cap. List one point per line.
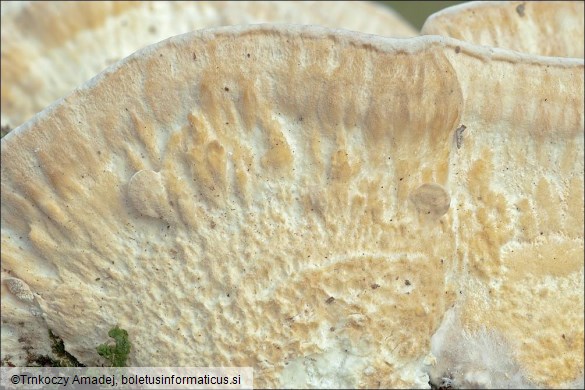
(308, 202)
(50, 48)
(549, 28)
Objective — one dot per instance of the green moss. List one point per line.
(116, 354)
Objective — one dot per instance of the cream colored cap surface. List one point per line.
(49, 48)
(308, 202)
(550, 28)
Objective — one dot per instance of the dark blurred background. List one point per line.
(416, 12)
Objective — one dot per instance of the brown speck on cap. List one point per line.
(459, 135)
(520, 9)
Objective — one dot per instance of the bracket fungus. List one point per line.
(548, 28)
(480, 356)
(49, 48)
(253, 208)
